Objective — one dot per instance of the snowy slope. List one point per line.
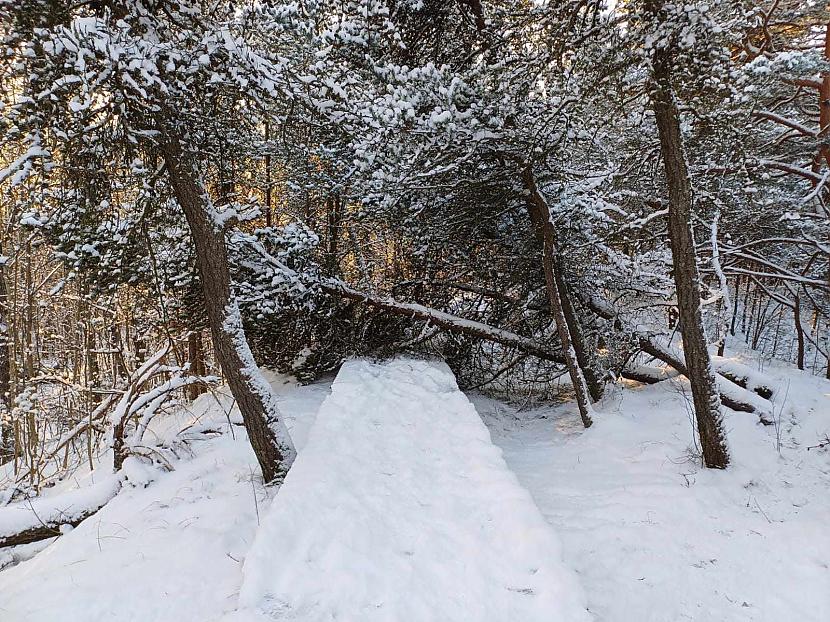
(170, 552)
(654, 537)
(400, 509)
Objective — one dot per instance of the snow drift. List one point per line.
(400, 508)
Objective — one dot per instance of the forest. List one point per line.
(604, 222)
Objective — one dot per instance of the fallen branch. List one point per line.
(648, 375)
(48, 517)
(732, 395)
(447, 321)
(821, 445)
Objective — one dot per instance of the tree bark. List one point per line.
(195, 357)
(799, 331)
(592, 379)
(824, 107)
(266, 430)
(705, 395)
(6, 432)
(540, 217)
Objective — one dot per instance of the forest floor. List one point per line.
(656, 538)
(650, 535)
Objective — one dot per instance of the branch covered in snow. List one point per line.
(48, 517)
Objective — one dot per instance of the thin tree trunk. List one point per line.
(735, 305)
(827, 370)
(334, 216)
(824, 107)
(195, 357)
(705, 395)
(266, 430)
(592, 379)
(6, 432)
(268, 188)
(540, 216)
(799, 331)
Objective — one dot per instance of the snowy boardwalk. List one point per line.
(400, 508)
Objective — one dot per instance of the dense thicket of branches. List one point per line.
(482, 181)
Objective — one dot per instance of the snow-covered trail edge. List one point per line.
(400, 508)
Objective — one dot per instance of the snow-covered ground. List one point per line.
(651, 536)
(400, 509)
(170, 552)
(654, 537)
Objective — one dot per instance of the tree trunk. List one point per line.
(824, 107)
(592, 379)
(735, 305)
(540, 216)
(799, 331)
(266, 430)
(6, 432)
(195, 357)
(334, 217)
(705, 395)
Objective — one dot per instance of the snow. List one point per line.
(399, 508)
(652, 535)
(65, 507)
(168, 552)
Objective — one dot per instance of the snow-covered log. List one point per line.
(48, 517)
(447, 321)
(732, 395)
(648, 375)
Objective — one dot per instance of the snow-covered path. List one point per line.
(400, 509)
(654, 537)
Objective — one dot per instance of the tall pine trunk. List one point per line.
(266, 430)
(705, 395)
(540, 216)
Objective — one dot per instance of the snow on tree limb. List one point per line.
(48, 517)
(445, 320)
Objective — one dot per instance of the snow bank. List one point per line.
(168, 552)
(400, 508)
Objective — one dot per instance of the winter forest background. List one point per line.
(554, 197)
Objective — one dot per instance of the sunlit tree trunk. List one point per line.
(6, 431)
(266, 430)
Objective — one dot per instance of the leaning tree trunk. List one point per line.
(705, 395)
(266, 430)
(592, 378)
(540, 216)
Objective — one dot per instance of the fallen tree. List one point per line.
(47, 517)
(732, 395)
(447, 321)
